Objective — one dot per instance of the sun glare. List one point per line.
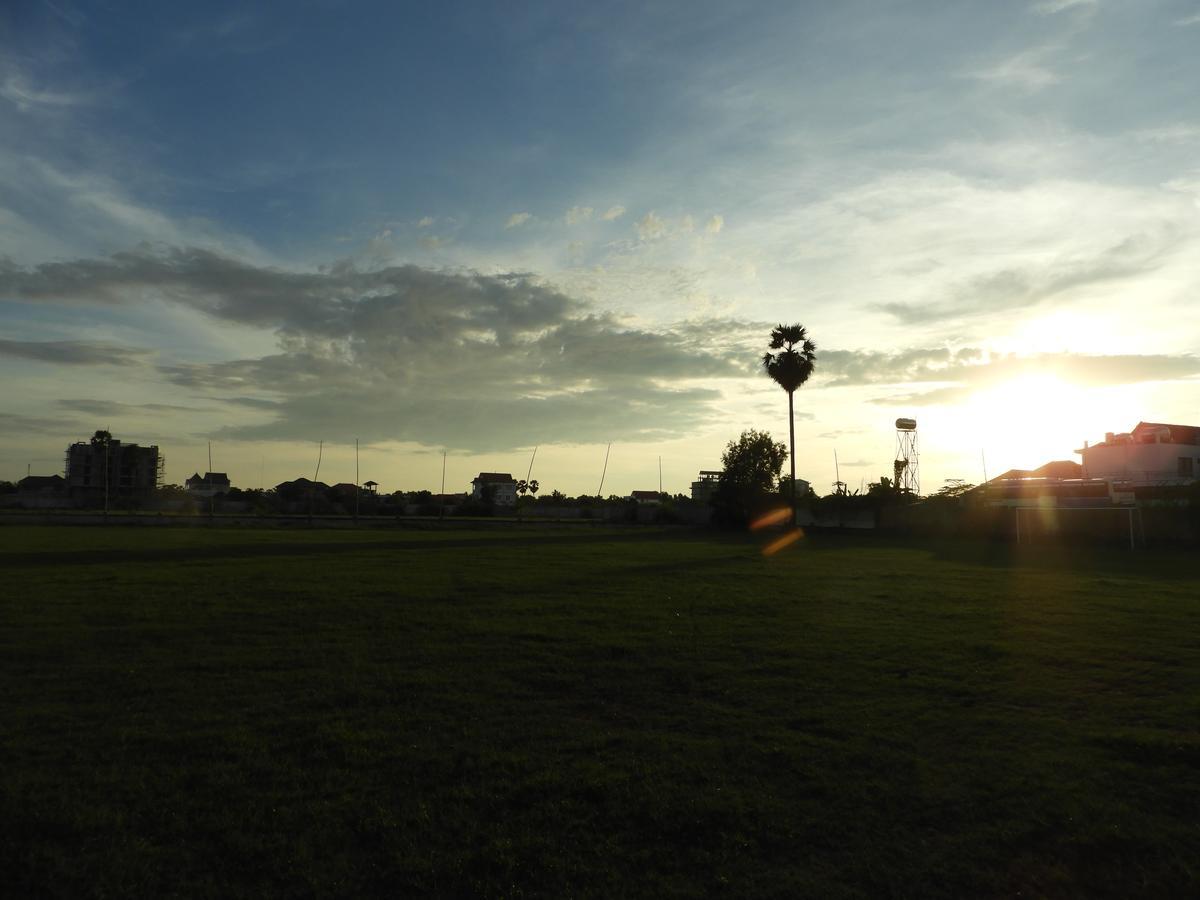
(1035, 418)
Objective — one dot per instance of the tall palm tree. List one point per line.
(790, 367)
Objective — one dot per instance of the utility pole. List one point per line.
(660, 475)
(442, 495)
(312, 488)
(208, 481)
(356, 480)
(600, 490)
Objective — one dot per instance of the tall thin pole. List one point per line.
(983, 458)
(442, 495)
(531, 459)
(208, 480)
(792, 439)
(837, 470)
(600, 490)
(660, 474)
(312, 488)
(356, 479)
(106, 478)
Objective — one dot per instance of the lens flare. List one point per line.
(785, 541)
(774, 517)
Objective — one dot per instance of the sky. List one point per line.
(479, 228)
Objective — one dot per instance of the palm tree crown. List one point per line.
(793, 365)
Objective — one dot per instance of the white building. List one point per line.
(502, 486)
(212, 484)
(1150, 454)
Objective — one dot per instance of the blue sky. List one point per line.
(481, 229)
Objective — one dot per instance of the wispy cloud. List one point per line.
(115, 408)
(1027, 71)
(1052, 7)
(613, 212)
(516, 220)
(18, 90)
(75, 353)
(1020, 287)
(577, 214)
(948, 376)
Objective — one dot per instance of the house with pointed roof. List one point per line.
(210, 484)
(500, 486)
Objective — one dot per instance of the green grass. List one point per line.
(554, 713)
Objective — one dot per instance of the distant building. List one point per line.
(370, 487)
(500, 485)
(646, 497)
(105, 466)
(211, 484)
(705, 485)
(41, 484)
(1152, 453)
(300, 488)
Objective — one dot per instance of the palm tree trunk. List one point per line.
(792, 440)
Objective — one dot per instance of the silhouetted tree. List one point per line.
(749, 476)
(790, 368)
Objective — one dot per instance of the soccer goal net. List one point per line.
(1092, 524)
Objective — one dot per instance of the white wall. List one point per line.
(1139, 462)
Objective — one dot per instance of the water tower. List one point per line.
(905, 470)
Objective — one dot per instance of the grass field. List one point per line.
(589, 713)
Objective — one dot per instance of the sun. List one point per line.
(1034, 418)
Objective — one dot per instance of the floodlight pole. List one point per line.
(356, 481)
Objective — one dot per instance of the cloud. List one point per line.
(76, 353)
(516, 220)
(612, 213)
(11, 423)
(578, 214)
(26, 97)
(715, 224)
(1007, 289)
(477, 362)
(953, 375)
(425, 222)
(1188, 21)
(651, 227)
(1052, 7)
(113, 408)
(1025, 70)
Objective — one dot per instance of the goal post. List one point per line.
(1036, 524)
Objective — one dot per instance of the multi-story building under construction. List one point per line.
(106, 467)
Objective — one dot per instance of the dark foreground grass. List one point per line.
(517, 713)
